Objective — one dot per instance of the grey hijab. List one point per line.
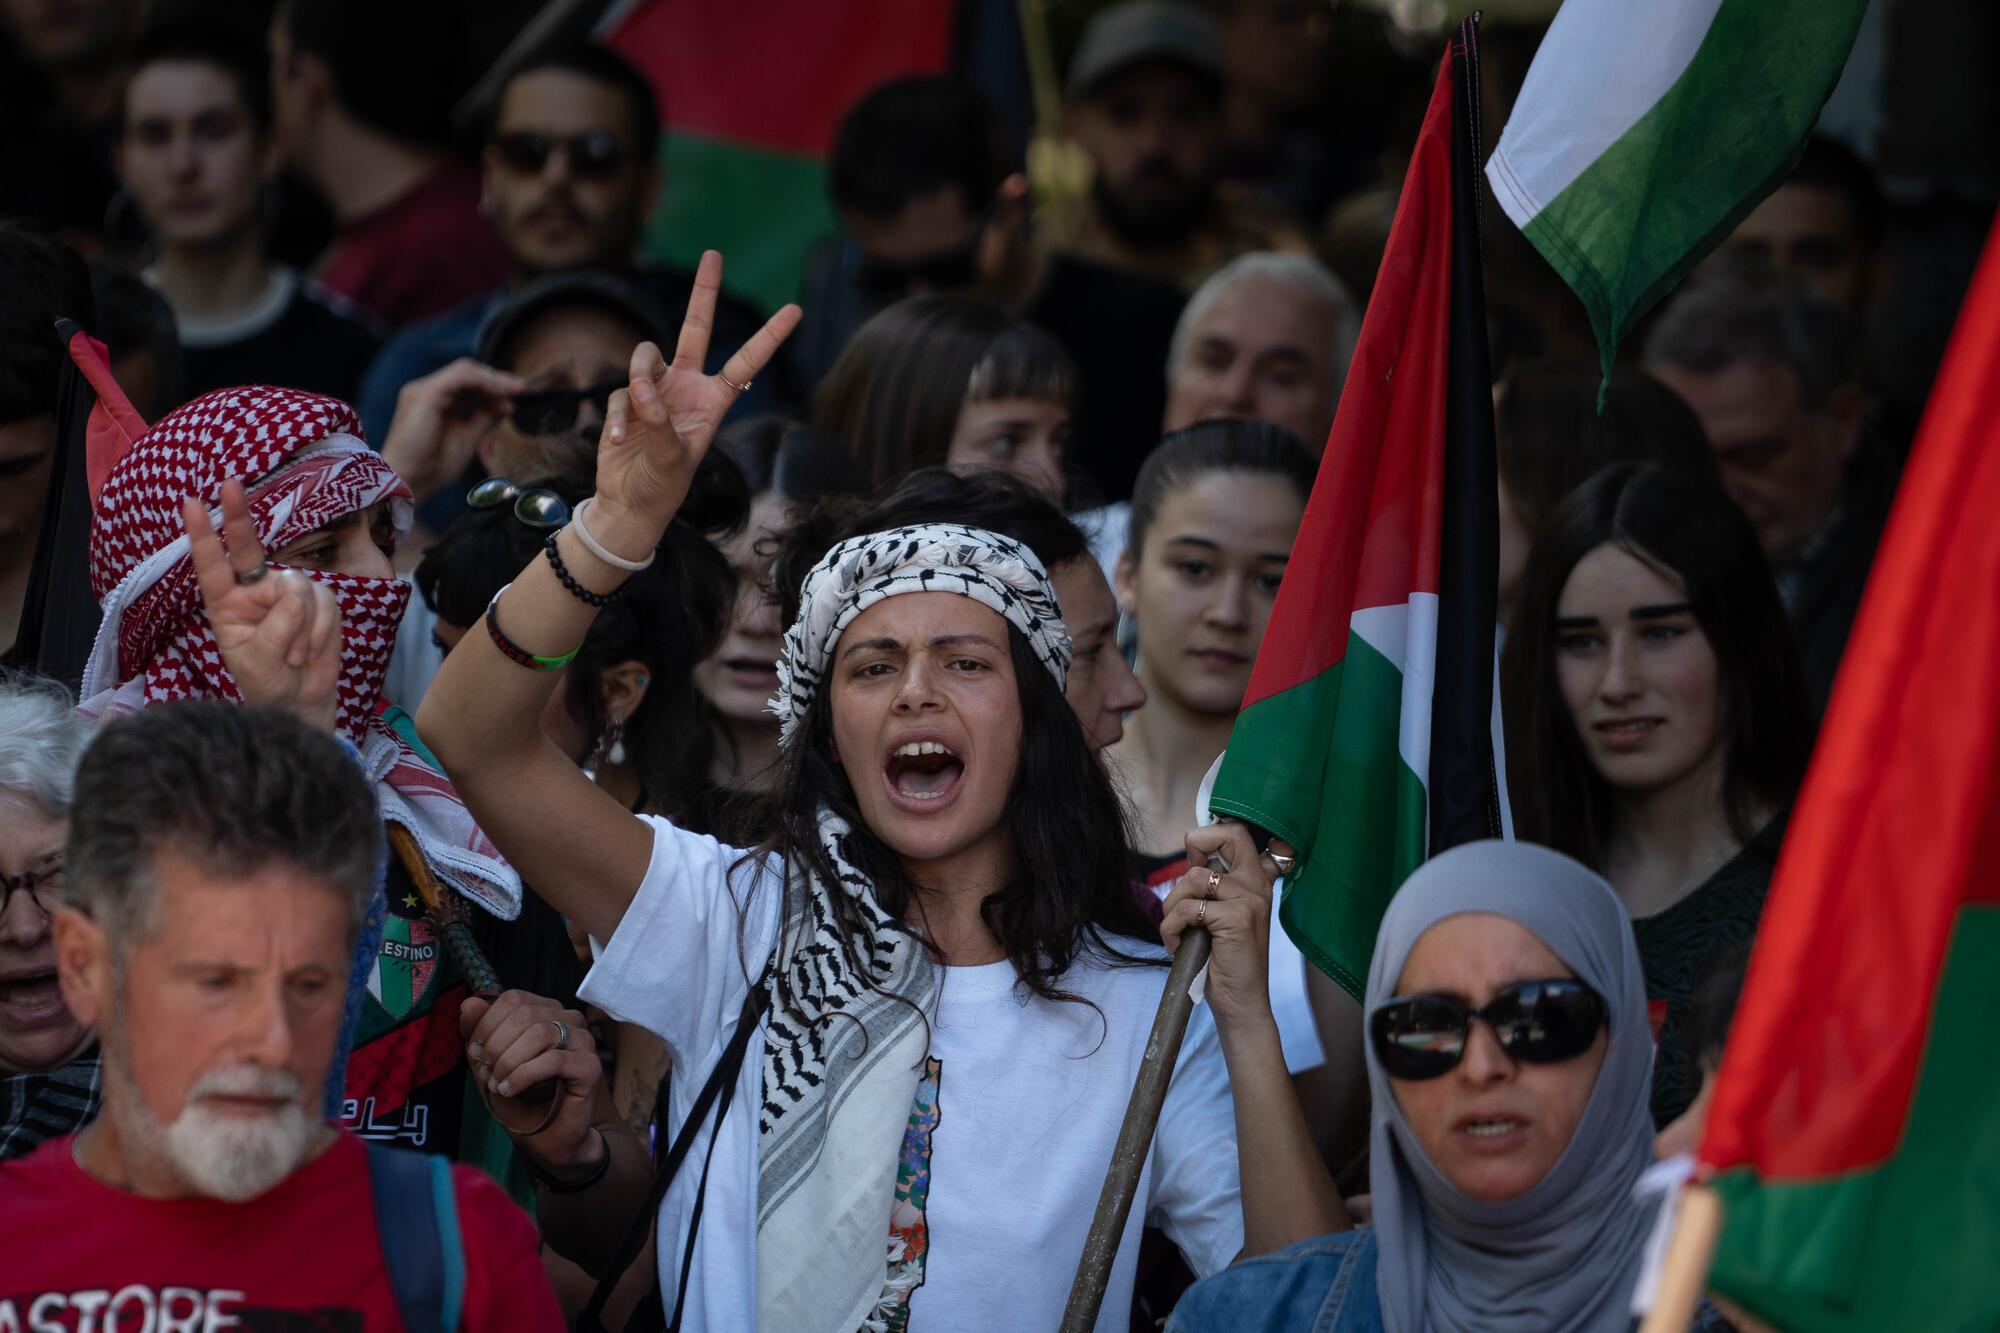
(1565, 1255)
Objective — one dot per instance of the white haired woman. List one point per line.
(48, 1060)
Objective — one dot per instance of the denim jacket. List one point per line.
(1322, 1285)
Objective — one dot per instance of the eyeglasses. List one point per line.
(590, 156)
(44, 886)
(553, 411)
(951, 270)
(537, 506)
(1540, 1022)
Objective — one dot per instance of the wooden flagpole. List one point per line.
(1135, 1136)
(1684, 1274)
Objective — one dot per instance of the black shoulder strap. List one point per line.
(718, 1091)
(406, 1222)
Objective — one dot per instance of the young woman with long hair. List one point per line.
(949, 380)
(934, 961)
(1657, 722)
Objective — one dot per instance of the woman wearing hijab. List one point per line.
(920, 1005)
(286, 473)
(1509, 1060)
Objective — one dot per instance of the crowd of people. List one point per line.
(594, 804)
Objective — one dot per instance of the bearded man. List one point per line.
(219, 864)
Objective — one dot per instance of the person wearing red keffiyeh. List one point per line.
(325, 506)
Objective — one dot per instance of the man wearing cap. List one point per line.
(527, 406)
(1145, 104)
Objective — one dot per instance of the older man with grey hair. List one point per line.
(1266, 338)
(1768, 368)
(219, 864)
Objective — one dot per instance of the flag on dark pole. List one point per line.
(1367, 735)
(94, 426)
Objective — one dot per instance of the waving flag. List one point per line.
(1366, 738)
(1646, 131)
(751, 96)
(1854, 1139)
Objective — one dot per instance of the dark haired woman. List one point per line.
(934, 960)
(1551, 438)
(785, 464)
(953, 381)
(1657, 722)
(1101, 686)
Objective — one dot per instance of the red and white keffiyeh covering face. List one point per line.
(301, 458)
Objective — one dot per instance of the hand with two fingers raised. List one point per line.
(658, 428)
(1234, 906)
(517, 1041)
(278, 631)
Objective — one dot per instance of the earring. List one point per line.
(615, 751)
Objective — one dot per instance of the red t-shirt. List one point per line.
(78, 1255)
(419, 255)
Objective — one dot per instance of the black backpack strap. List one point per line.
(421, 1246)
(717, 1091)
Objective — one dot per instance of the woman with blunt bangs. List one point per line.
(1657, 722)
(953, 381)
(912, 1018)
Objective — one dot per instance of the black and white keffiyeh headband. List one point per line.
(992, 570)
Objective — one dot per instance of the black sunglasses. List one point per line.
(951, 270)
(536, 506)
(590, 156)
(1540, 1022)
(553, 411)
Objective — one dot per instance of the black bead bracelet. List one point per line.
(600, 600)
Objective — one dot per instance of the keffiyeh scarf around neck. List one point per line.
(303, 461)
(844, 1046)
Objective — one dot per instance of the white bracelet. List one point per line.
(591, 544)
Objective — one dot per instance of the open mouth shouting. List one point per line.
(923, 774)
(31, 998)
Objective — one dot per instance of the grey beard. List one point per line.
(229, 1158)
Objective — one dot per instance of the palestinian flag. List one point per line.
(1854, 1139)
(751, 97)
(95, 425)
(1646, 131)
(1366, 738)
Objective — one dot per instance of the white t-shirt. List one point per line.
(1030, 1097)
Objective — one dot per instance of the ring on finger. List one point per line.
(246, 577)
(562, 1034)
(1201, 911)
(1284, 863)
(1214, 883)
(744, 387)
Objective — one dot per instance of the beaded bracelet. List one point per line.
(599, 600)
(514, 651)
(592, 545)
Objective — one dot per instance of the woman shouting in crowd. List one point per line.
(920, 1005)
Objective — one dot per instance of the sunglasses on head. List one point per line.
(553, 411)
(537, 506)
(1538, 1022)
(590, 156)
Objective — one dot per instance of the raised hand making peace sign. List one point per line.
(657, 430)
(278, 631)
